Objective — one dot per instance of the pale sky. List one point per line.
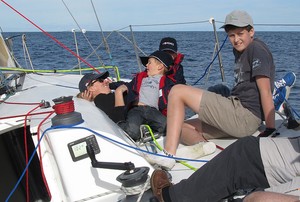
(53, 15)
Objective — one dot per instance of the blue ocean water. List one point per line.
(198, 48)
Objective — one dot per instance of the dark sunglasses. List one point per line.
(94, 81)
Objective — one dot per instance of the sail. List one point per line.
(5, 57)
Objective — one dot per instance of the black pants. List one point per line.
(238, 167)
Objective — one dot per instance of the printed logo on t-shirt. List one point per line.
(256, 63)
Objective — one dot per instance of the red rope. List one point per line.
(31, 114)
(26, 152)
(26, 145)
(64, 108)
(40, 154)
(219, 147)
(61, 108)
(52, 37)
(19, 103)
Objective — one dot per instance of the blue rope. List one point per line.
(94, 132)
(206, 69)
(26, 168)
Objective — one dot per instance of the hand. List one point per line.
(107, 81)
(87, 95)
(267, 132)
(122, 88)
(119, 99)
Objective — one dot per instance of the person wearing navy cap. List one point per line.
(147, 95)
(90, 78)
(96, 87)
(169, 45)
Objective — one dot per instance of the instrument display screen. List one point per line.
(77, 148)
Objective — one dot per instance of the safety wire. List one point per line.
(103, 36)
(94, 50)
(206, 69)
(128, 40)
(52, 37)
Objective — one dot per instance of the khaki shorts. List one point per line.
(225, 117)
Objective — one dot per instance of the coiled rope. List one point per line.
(64, 108)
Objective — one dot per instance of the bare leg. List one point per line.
(179, 97)
(190, 133)
(270, 197)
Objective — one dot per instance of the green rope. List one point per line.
(161, 149)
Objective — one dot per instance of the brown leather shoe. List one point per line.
(159, 180)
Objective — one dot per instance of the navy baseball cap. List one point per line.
(168, 44)
(89, 77)
(161, 56)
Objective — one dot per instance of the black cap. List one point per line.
(161, 56)
(89, 77)
(169, 44)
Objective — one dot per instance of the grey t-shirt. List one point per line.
(149, 92)
(255, 60)
(281, 160)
